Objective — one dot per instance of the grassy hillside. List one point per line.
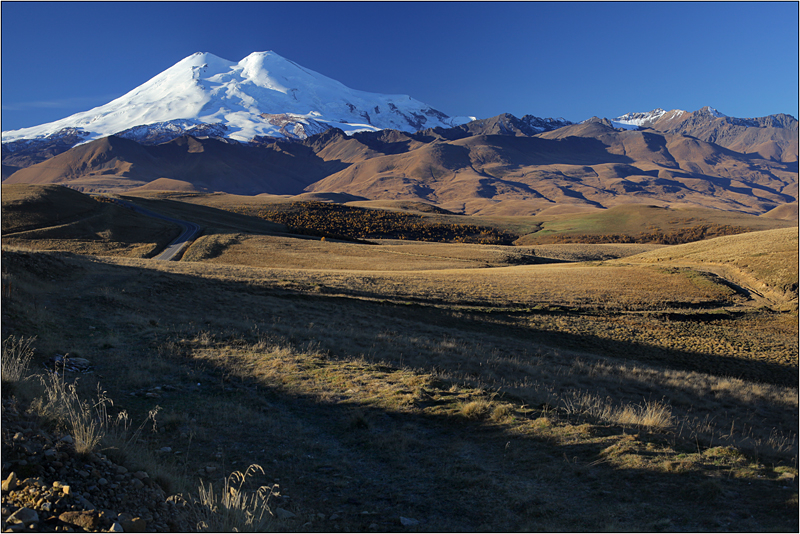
(57, 218)
(637, 223)
(28, 206)
(439, 386)
(767, 259)
(641, 223)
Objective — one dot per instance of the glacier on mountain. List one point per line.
(263, 95)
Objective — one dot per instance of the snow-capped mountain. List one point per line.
(773, 137)
(645, 119)
(263, 95)
(650, 118)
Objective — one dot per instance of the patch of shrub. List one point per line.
(346, 222)
(674, 237)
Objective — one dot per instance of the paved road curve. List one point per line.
(190, 230)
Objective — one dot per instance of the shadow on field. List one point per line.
(751, 370)
(370, 466)
(339, 457)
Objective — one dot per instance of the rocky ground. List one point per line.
(48, 487)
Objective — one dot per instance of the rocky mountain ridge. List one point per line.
(773, 137)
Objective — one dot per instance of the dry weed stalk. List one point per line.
(87, 422)
(17, 354)
(233, 509)
(652, 414)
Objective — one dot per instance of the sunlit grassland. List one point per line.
(293, 252)
(767, 260)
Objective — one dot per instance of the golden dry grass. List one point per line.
(769, 256)
(571, 285)
(293, 252)
(763, 263)
(369, 377)
(348, 397)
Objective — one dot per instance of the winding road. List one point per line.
(190, 230)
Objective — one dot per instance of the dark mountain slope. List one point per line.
(113, 163)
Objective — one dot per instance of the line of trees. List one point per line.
(338, 221)
(674, 237)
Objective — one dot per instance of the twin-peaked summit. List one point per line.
(264, 94)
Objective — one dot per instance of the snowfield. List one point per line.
(243, 99)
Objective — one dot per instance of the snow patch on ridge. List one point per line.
(639, 119)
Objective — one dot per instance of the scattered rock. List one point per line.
(284, 514)
(24, 516)
(132, 524)
(10, 483)
(65, 362)
(85, 519)
(65, 491)
(408, 522)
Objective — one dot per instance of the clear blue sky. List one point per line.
(559, 59)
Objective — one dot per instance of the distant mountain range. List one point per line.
(773, 137)
(268, 125)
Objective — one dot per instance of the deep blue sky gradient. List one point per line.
(549, 59)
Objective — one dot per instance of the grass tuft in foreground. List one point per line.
(86, 421)
(17, 354)
(233, 508)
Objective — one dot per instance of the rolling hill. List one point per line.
(118, 164)
(590, 164)
(489, 167)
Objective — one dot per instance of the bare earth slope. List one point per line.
(589, 164)
(774, 137)
(490, 168)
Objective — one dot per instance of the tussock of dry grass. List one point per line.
(87, 421)
(17, 355)
(233, 508)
